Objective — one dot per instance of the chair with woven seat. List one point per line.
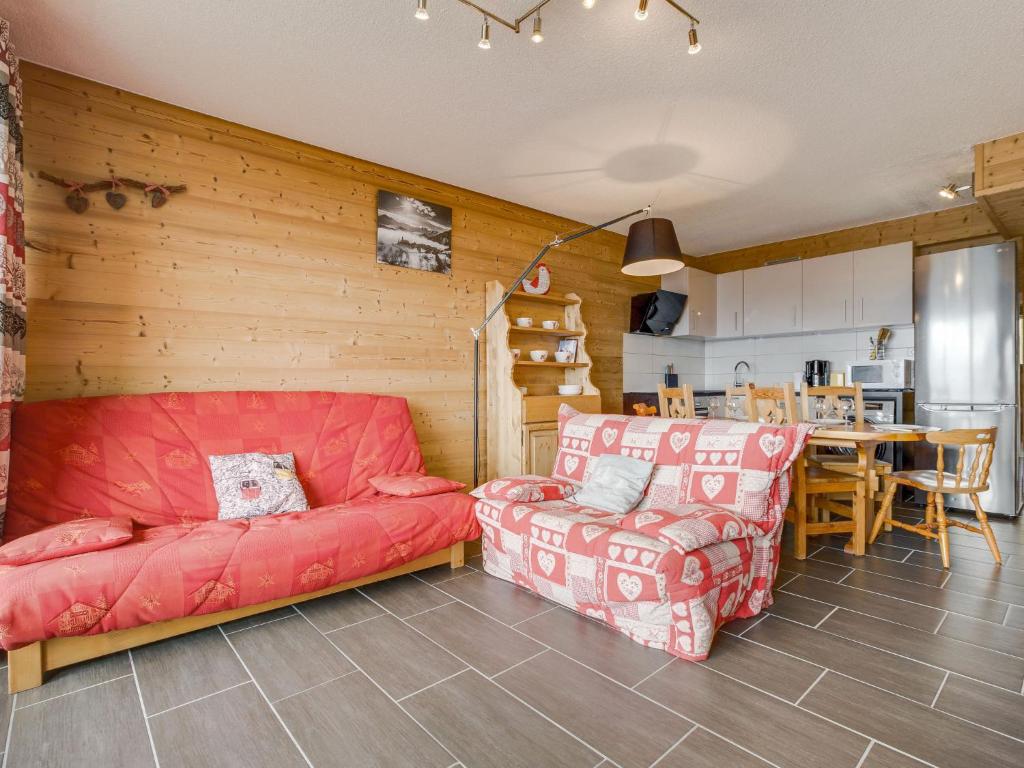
(676, 402)
(970, 477)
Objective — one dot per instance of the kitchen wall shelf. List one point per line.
(522, 430)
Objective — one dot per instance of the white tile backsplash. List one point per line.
(772, 359)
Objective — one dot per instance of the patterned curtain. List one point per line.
(12, 252)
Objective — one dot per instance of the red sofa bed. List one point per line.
(146, 456)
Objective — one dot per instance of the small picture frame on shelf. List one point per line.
(570, 346)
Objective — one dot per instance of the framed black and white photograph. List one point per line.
(413, 233)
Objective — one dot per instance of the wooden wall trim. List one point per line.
(960, 223)
(264, 275)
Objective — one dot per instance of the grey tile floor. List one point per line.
(876, 662)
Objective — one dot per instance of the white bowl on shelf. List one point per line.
(570, 389)
(538, 355)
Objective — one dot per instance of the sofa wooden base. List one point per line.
(27, 666)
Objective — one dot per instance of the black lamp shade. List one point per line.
(651, 249)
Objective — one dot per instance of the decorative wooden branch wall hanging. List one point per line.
(78, 202)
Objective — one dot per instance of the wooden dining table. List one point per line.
(863, 438)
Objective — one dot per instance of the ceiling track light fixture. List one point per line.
(951, 191)
(515, 24)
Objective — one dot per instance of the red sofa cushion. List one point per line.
(172, 571)
(66, 539)
(411, 485)
(146, 456)
(525, 488)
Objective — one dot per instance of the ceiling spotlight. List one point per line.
(485, 36)
(641, 10)
(421, 10)
(537, 36)
(588, 4)
(694, 45)
(952, 191)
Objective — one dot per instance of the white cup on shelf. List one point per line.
(550, 325)
(538, 355)
(524, 322)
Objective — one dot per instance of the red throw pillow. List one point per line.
(410, 484)
(66, 539)
(527, 488)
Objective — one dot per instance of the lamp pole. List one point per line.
(501, 303)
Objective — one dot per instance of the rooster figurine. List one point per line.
(541, 284)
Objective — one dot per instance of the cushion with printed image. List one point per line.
(256, 484)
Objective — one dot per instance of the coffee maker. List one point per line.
(816, 373)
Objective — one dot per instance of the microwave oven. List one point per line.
(897, 373)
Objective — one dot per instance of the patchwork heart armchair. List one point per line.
(700, 549)
(114, 536)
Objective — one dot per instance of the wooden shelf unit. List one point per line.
(522, 430)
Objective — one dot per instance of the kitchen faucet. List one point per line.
(736, 380)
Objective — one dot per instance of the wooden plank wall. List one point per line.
(264, 274)
(961, 224)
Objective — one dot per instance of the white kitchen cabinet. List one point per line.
(773, 299)
(828, 292)
(729, 305)
(883, 285)
(698, 318)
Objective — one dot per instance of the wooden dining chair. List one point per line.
(676, 402)
(970, 477)
(832, 400)
(772, 405)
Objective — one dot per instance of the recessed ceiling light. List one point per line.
(588, 4)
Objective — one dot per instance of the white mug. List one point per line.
(563, 356)
(538, 355)
(551, 325)
(524, 322)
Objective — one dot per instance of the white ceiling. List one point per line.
(796, 118)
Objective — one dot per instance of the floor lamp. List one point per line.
(651, 249)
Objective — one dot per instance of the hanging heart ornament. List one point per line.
(116, 199)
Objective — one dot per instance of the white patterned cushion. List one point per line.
(256, 484)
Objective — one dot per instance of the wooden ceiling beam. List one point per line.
(960, 223)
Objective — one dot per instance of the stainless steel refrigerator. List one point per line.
(966, 362)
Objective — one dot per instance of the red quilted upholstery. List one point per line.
(145, 456)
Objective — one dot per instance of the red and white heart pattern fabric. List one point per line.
(525, 488)
(700, 550)
(730, 464)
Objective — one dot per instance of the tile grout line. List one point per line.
(518, 663)
(77, 690)
(941, 622)
(199, 698)
(790, 580)
(531, 618)
(338, 629)
(10, 731)
(400, 699)
(313, 687)
(949, 575)
(845, 575)
(645, 678)
(261, 624)
(864, 757)
(824, 670)
(904, 600)
(442, 605)
(526, 704)
(671, 748)
(142, 706)
(825, 618)
(379, 687)
(611, 679)
(942, 685)
(259, 688)
(878, 687)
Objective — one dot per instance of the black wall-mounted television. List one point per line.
(656, 313)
